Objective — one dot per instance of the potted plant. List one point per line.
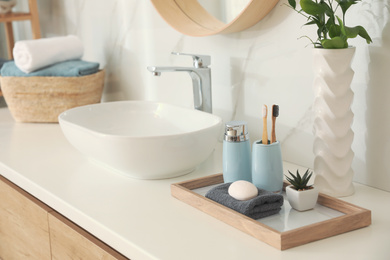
(332, 33)
(300, 195)
(333, 96)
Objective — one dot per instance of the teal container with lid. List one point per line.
(236, 158)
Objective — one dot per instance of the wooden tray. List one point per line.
(352, 217)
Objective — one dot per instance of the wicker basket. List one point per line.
(6, 6)
(42, 99)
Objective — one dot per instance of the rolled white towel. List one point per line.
(31, 55)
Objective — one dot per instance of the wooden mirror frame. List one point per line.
(190, 18)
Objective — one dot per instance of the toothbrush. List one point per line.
(275, 114)
(265, 134)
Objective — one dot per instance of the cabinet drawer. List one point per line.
(24, 231)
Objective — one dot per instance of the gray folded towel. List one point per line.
(264, 204)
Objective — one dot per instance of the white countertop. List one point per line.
(142, 220)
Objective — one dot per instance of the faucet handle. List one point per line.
(199, 61)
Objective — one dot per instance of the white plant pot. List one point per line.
(332, 121)
(302, 200)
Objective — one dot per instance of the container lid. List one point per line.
(236, 131)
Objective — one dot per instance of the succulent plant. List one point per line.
(300, 182)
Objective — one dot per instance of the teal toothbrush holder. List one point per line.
(267, 166)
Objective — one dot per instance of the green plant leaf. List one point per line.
(348, 32)
(328, 10)
(346, 4)
(364, 34)
(334, 31)
(352, 32)
(292, 3)
(319, 32)
(299, 179)
(311, 22)
(312, 8)
(306, 177)
(306, 173)
(331, 22)
(342, 28)
(292, 182)
(334, 43)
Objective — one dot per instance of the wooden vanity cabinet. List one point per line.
(29, 229)
(69, 241)
(24, 230)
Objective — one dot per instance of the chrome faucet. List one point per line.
(201, 79)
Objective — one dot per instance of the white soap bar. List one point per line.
(242, 190)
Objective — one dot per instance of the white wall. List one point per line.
(265, 64)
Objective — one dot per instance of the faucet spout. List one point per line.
(168, 69)
(201, 83)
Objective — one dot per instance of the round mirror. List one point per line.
(224, 10)
(205, 17)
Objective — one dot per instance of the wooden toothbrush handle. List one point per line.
(273, 134)
(265, 134)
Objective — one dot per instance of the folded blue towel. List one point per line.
(263, 205)
(70, 68)
(2, 61)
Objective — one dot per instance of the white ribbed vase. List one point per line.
(332, 121)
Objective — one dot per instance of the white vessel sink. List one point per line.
(142, 139)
